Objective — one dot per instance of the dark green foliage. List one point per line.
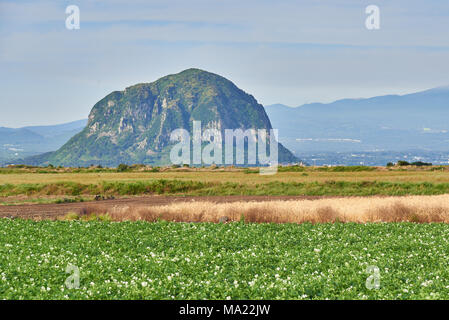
(421, 164)
(122, 167)
(69, 200)
(417, 163)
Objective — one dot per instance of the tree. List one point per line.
(122, 167)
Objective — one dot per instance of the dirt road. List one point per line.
(51, 211)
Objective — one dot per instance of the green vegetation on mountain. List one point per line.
(134, 125)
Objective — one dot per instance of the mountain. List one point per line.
(416, 121)
(28, 141)
(59, 130)
(134, 125)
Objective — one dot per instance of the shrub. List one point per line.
(294, 168)
(421, 164)
(71, 216)
(122, 167)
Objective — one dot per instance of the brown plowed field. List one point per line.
(50, 211)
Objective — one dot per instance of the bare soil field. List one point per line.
(191, 195)
(257, 209)
(51, 211)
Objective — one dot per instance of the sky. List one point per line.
(289, 52)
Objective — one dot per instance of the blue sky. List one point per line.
(289, 52)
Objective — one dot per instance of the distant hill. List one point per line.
(417, 121)
(27, 141)
(134, 125)
(58, 130)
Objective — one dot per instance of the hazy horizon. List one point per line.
(265, 105)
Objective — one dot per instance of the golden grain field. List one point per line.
(355, 209)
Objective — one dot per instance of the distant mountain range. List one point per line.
(134, 125)
(27, 141)
(396, 123)
(417, 121)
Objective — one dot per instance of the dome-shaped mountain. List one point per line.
(134, 125)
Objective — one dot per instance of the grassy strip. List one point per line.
(140, 260)
(168, 187)
(117, 188)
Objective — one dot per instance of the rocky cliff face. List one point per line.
(134, 125)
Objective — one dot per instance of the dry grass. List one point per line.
(230, 176)
(419, 209)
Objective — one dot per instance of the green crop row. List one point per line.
(141, 260)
